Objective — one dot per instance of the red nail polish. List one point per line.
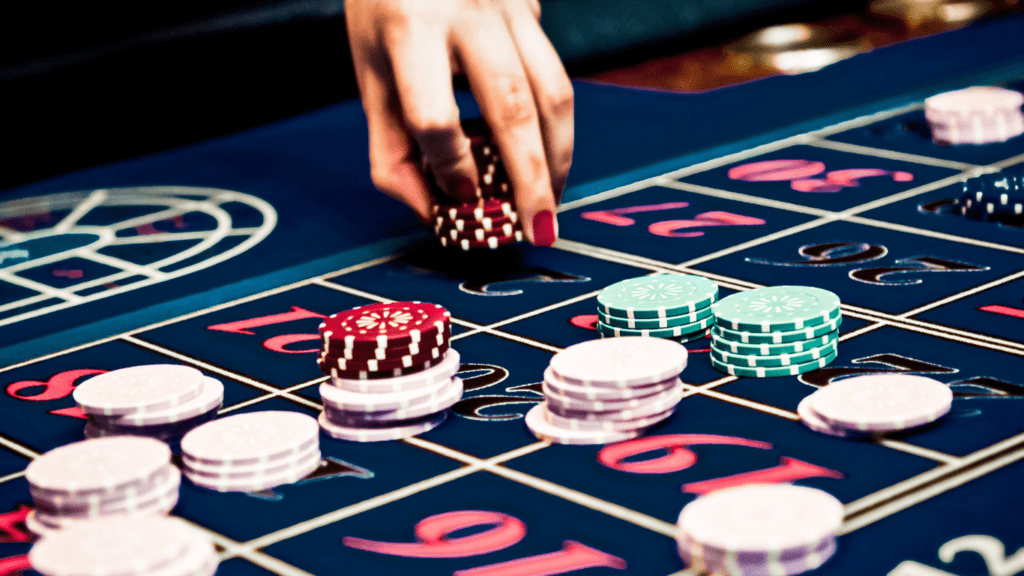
(544, 228)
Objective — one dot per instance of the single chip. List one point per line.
(112, 503)
(975, 115)
(227, 483)
(705, 560)
(777, 337)
(98, 465)
(483, 208)
(491, 242)
(619, 362)
(780, 519)
(772, 349)
(211, 397)
(774, 361)
(593, 393)
(113, 547)
(687, 338)
(381, 433)
(385, 325)
(545, 430)
(811, 419)
(777, 309)
(645, 408)
(101, 427)
(781, 372)
(346, 401)
(332, 371)
(290, 462)
(479, 234)
(882, 402)
(676, 332)
(341, 348)
(451, 395)
(251, 438)
(138, 389)
(421, 358)
(653, 323)
(436, 374)
(570, 423)
(443, 223)
(658, 296)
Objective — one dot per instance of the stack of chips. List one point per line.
(102, 478)
(776, 529)
(605, 391)
(674, 306)
(148, 546)
(998, 196)
(774, 332)
(491, 219)
(392, 371)
(252, 452)
(161, 401)
(875, 404)
(976, 115)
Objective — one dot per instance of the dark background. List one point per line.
(84, 84)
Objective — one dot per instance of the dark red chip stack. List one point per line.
(489, 221)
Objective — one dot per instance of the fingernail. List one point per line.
(462, 188)
(544, 228)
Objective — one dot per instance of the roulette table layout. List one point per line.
(226, 255)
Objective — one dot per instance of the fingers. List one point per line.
(393, 165)
(552, 90)
(503, 91)
(420, 63)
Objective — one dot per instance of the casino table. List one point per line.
(226, 254)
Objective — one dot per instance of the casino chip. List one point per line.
(384, 326)
(128, 546)
(491, 220)
(777, 529)
(655, 297)
(101, 478)
(386, 393)
(653, 323)
(777, 337)
(605, 391)
(998, 196)
(160, 401)
(976, 115)
(776, 309)
(251, 452)
(878, 403)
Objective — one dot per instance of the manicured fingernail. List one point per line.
(462, 188)
(544, 228)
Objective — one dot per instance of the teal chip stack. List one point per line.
(672, 306)
(774, 332)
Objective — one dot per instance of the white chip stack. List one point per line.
(610, 390)
(759, 529)
(157, 546)
(391, 408)
(161, 401)
(252, 452)
(976, 115)
(101, 478)
(875, 404)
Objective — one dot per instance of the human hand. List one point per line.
(405, 53)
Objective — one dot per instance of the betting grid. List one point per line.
(951, 472)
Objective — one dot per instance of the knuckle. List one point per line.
(560, 102)
(515, 102)
(382, 179)
(561, 162)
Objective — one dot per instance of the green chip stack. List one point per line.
(774, 332)
(672, 306)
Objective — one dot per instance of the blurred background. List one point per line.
(88, 83)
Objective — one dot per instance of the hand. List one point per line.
(405, 54)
